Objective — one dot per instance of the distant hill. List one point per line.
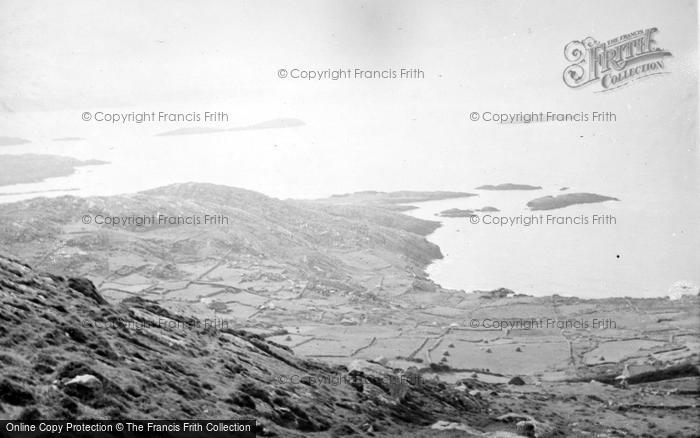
(195, 130)
(508, 186)
(269, 124)
(68, 139)
(394, 200)
(286, 231)
(11, 141)
(29, 168)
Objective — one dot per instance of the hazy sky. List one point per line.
(85, 52)
(477, 56)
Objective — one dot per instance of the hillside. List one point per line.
(67, 353)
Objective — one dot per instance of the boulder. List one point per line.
(534, 428)
(517, 380)
(83, 386)
(86, 288)
(526, 425)
(369, 368)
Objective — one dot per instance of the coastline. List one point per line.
(592, 258)
(347, 282)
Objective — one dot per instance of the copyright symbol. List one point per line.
(474, 219)
(282, 73)
(474, 116)
(87, 116)
(87, 219)
(119, 427)
(474, 323)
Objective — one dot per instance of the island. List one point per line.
(397, 201)
(68, 139)
(561, 201)
(456, 212)
(195, 130)
(508, 186)
(487, 209)
(31, 168)
(268, 124)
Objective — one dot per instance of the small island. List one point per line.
(508, 186)
(487, 209)
(456, 212)
(195, 130)
(31, 168)
(268, 124)
(561, 201)
(11, 141)
(68, 139)
(400, 197)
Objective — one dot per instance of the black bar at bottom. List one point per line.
(127, 428)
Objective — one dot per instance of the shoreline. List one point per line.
(346, 284)
(671, 291)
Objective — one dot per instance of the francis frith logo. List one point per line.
(616, 62)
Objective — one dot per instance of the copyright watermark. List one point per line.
(345, 379)
(543, 323)
(161, 323)
(25, 428)
(153, 117)
(543, 219)
(155, 220)
(511, 118)
(337, 74)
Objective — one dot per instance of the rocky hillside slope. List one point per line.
(66, 353)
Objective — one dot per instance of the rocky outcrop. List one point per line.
(501, 292)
